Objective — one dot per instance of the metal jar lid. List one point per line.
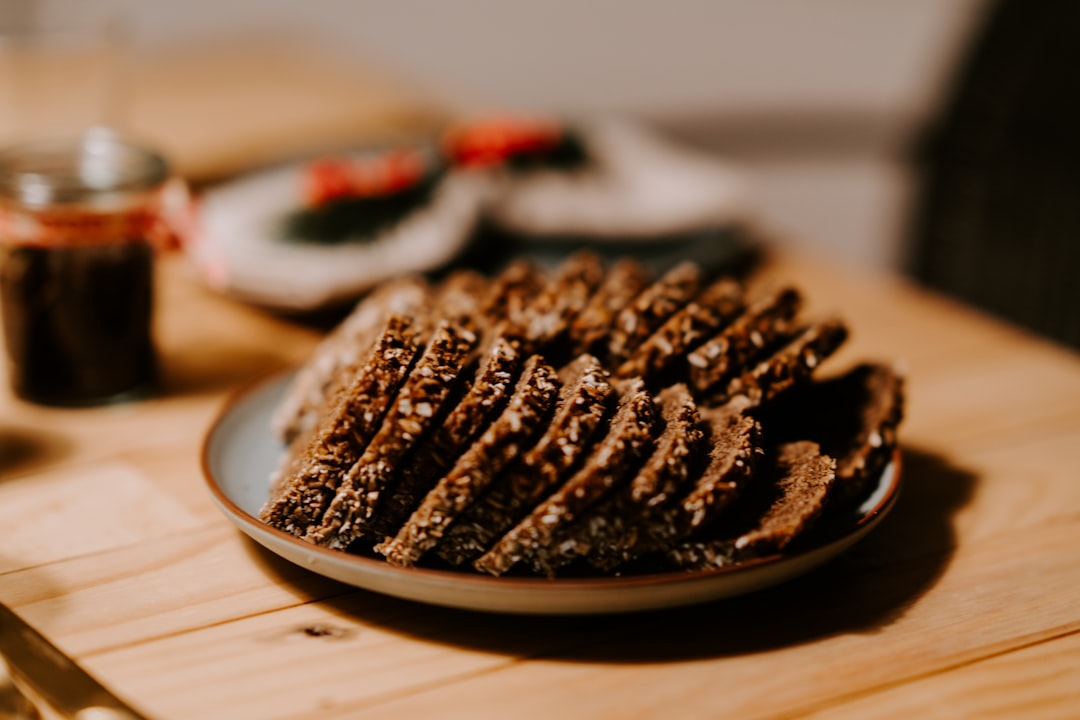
(99, 169)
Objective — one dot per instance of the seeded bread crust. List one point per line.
(610, 528)
(853, 416)
(448, 433)
(714, 308)
(511, 293)
(419, 401)
(512, 431)
(457, 299)
(624, 281)
(344, 348)
(494, 381)
(765, 322)
(802, 481)
(582, 405)
(614, 458)
(733, 439)
(736, 448)
(873, 445)
(791, 365)
(563, 298)
(651, 309)
(345, 433)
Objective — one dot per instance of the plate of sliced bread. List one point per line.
(592, 437)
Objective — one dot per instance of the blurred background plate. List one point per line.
(241, 248)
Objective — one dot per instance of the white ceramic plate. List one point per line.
(236, 247)
(240, 452)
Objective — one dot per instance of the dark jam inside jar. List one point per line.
(76, 268)
(77, 321)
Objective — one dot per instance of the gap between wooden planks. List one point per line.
(1033, 681)
(991, 599)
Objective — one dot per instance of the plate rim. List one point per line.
(274, 539)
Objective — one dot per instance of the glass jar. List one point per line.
(78, 226)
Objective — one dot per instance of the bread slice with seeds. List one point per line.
(798, 489)
(613, 460)
(651, 309)
(511, 293)
(624, 280)
(511, 432)
(418, 402)
(733, 440)
(344, 434)
(583, 403)
(667, 348)
(563, 298)
(608, 531)
(791, 365)
(457, 299)
(342, 351)
(764, 323)
(853, 417)
(493, 382)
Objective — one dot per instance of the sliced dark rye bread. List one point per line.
(609, 528)
(344, 433)
(458, 299)
(765, 321)
(582, 406)
(419, 401)
(510, 433)
(614, 459)
(511, 292)
(651, 309)
(735, 449)
(625, 279)
(667, 348)
(734, 443)
(791, 365)
(757, 365)
(563, 298)
(798, 489)
(437, 452)
(342, 351)
(853, 417)
(862, 456)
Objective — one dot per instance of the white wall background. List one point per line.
(775, 63)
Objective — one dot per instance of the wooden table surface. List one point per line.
(964, 602)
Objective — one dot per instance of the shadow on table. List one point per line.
(22, 449)
(861, 592)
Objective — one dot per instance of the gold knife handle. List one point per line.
(14, 705)
(53, 677)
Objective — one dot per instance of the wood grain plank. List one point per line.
(1023, 482)
(986, 400)
(1039, 682)
(51, 516)
(308, 660)
(178, 611)
(108, 596)
(783, 651)
(158, 588)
